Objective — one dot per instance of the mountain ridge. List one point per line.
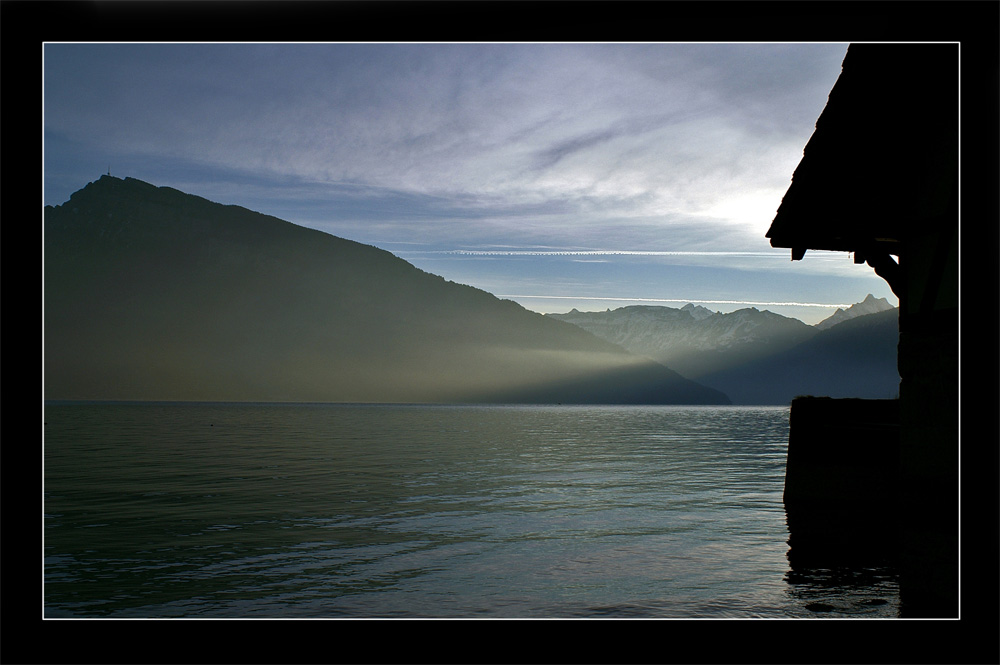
(151, 293)
(692, 341)
(759, 357)
(870, 305)
(854, 358)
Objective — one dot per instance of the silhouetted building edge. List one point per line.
(879, 178)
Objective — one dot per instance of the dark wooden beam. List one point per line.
(886, 268)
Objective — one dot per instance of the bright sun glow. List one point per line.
(755, 210)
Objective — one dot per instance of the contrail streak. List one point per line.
(685, 300)
(588, 252)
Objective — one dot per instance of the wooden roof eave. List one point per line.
(799, 243)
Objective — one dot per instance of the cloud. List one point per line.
(645, 129)
(694, 301)
(599, 252)
(603, 169)
(647, 164)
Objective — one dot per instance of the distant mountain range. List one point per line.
(154, 294)
(693, 340)
(758, 357)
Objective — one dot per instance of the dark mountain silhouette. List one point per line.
(856, 358)
(759, 357)
(153, 294)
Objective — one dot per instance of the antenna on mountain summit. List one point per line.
(109, 169)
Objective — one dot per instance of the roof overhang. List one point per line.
(882, 164)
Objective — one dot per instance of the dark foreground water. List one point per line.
(251, 510)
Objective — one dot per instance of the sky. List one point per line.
(588, 176)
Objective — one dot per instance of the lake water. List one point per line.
(311, 510)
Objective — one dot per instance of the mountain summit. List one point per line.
(154, 294)
(870, 305)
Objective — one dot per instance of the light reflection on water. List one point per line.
(336, 510)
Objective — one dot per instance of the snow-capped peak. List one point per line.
(870, 305)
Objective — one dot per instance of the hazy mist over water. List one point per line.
(318, 510)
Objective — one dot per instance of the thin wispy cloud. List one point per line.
(598, 252)
(694, 301)
(678, 153)
(660, 128)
